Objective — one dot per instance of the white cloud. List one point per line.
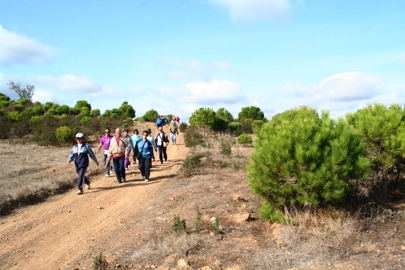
(216, 91)
(16, 49)
(70, 82)
(255, 10)
(339, 94)
(347, 86)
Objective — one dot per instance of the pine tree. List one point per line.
(303, 160)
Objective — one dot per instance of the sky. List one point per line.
(176, 56)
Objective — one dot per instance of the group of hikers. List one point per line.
(117, 150)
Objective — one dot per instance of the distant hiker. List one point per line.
(159, 121)
(105, 144)
(80, 154)
(127, 162)
(144, 152)
(173, 131)
(136, 137)
(162, 140)
(118, 152)
(177, 120)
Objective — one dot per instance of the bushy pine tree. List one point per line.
(382, 130)
(303, 160)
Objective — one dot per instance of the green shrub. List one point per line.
(18, 107)
(85, 120)
(151, 116)
(382, 130)
(226, 147)
(100, 262)
(192, 137)
(245, 139)
(183, 127)
(4, 103)
(257, 125)
(64, 134)
(195, 163)
(179, 225)
(302, 160)
(14, 116)
(235, 127)
(35, 120)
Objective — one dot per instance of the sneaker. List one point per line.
(124, 180)
(146, 180)
(143, 177)
(88, 186)
(107, 175)
(79, 192)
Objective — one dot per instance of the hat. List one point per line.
(79, 135)
(160, 128)
(148, 130)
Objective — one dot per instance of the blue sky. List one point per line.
(176, 56)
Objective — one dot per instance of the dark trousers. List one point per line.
(81, 178)
(162, 153)
(144, 166)
(119, 168)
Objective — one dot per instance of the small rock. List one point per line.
(183, 263)
(99, 207)
(240, 217)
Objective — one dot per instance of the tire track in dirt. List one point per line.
(65, 231)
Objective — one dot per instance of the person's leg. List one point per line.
(160, 153)
(164, 153)
(117, 169)
(107, 165)
(81, 178)
(141, 166)
(173, 138)
(122, 168)
(148, 161)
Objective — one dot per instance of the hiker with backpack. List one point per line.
(80, 154)
(173, 131)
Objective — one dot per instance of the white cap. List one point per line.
(79, 135)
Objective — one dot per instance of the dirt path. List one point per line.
(61, 232)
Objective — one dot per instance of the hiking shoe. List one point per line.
(88, 186)
(107, 175)
(146, 180)
(79, 192)
(143, 177)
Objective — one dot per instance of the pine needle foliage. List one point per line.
(382, 130)
(304, 160)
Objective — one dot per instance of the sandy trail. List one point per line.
(65, 229)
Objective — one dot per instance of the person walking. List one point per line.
(105, 144)
(127, 162)
(80, 154)
(162, 141)
(173, 131)
(136, 137)
(118, 152)
(144, 151)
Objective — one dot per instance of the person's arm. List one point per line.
(99, 147)
(91, 153)
(70, 158)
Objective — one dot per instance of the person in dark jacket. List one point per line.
(80, 154)
(144, 148)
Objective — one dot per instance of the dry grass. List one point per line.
(31, 173)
